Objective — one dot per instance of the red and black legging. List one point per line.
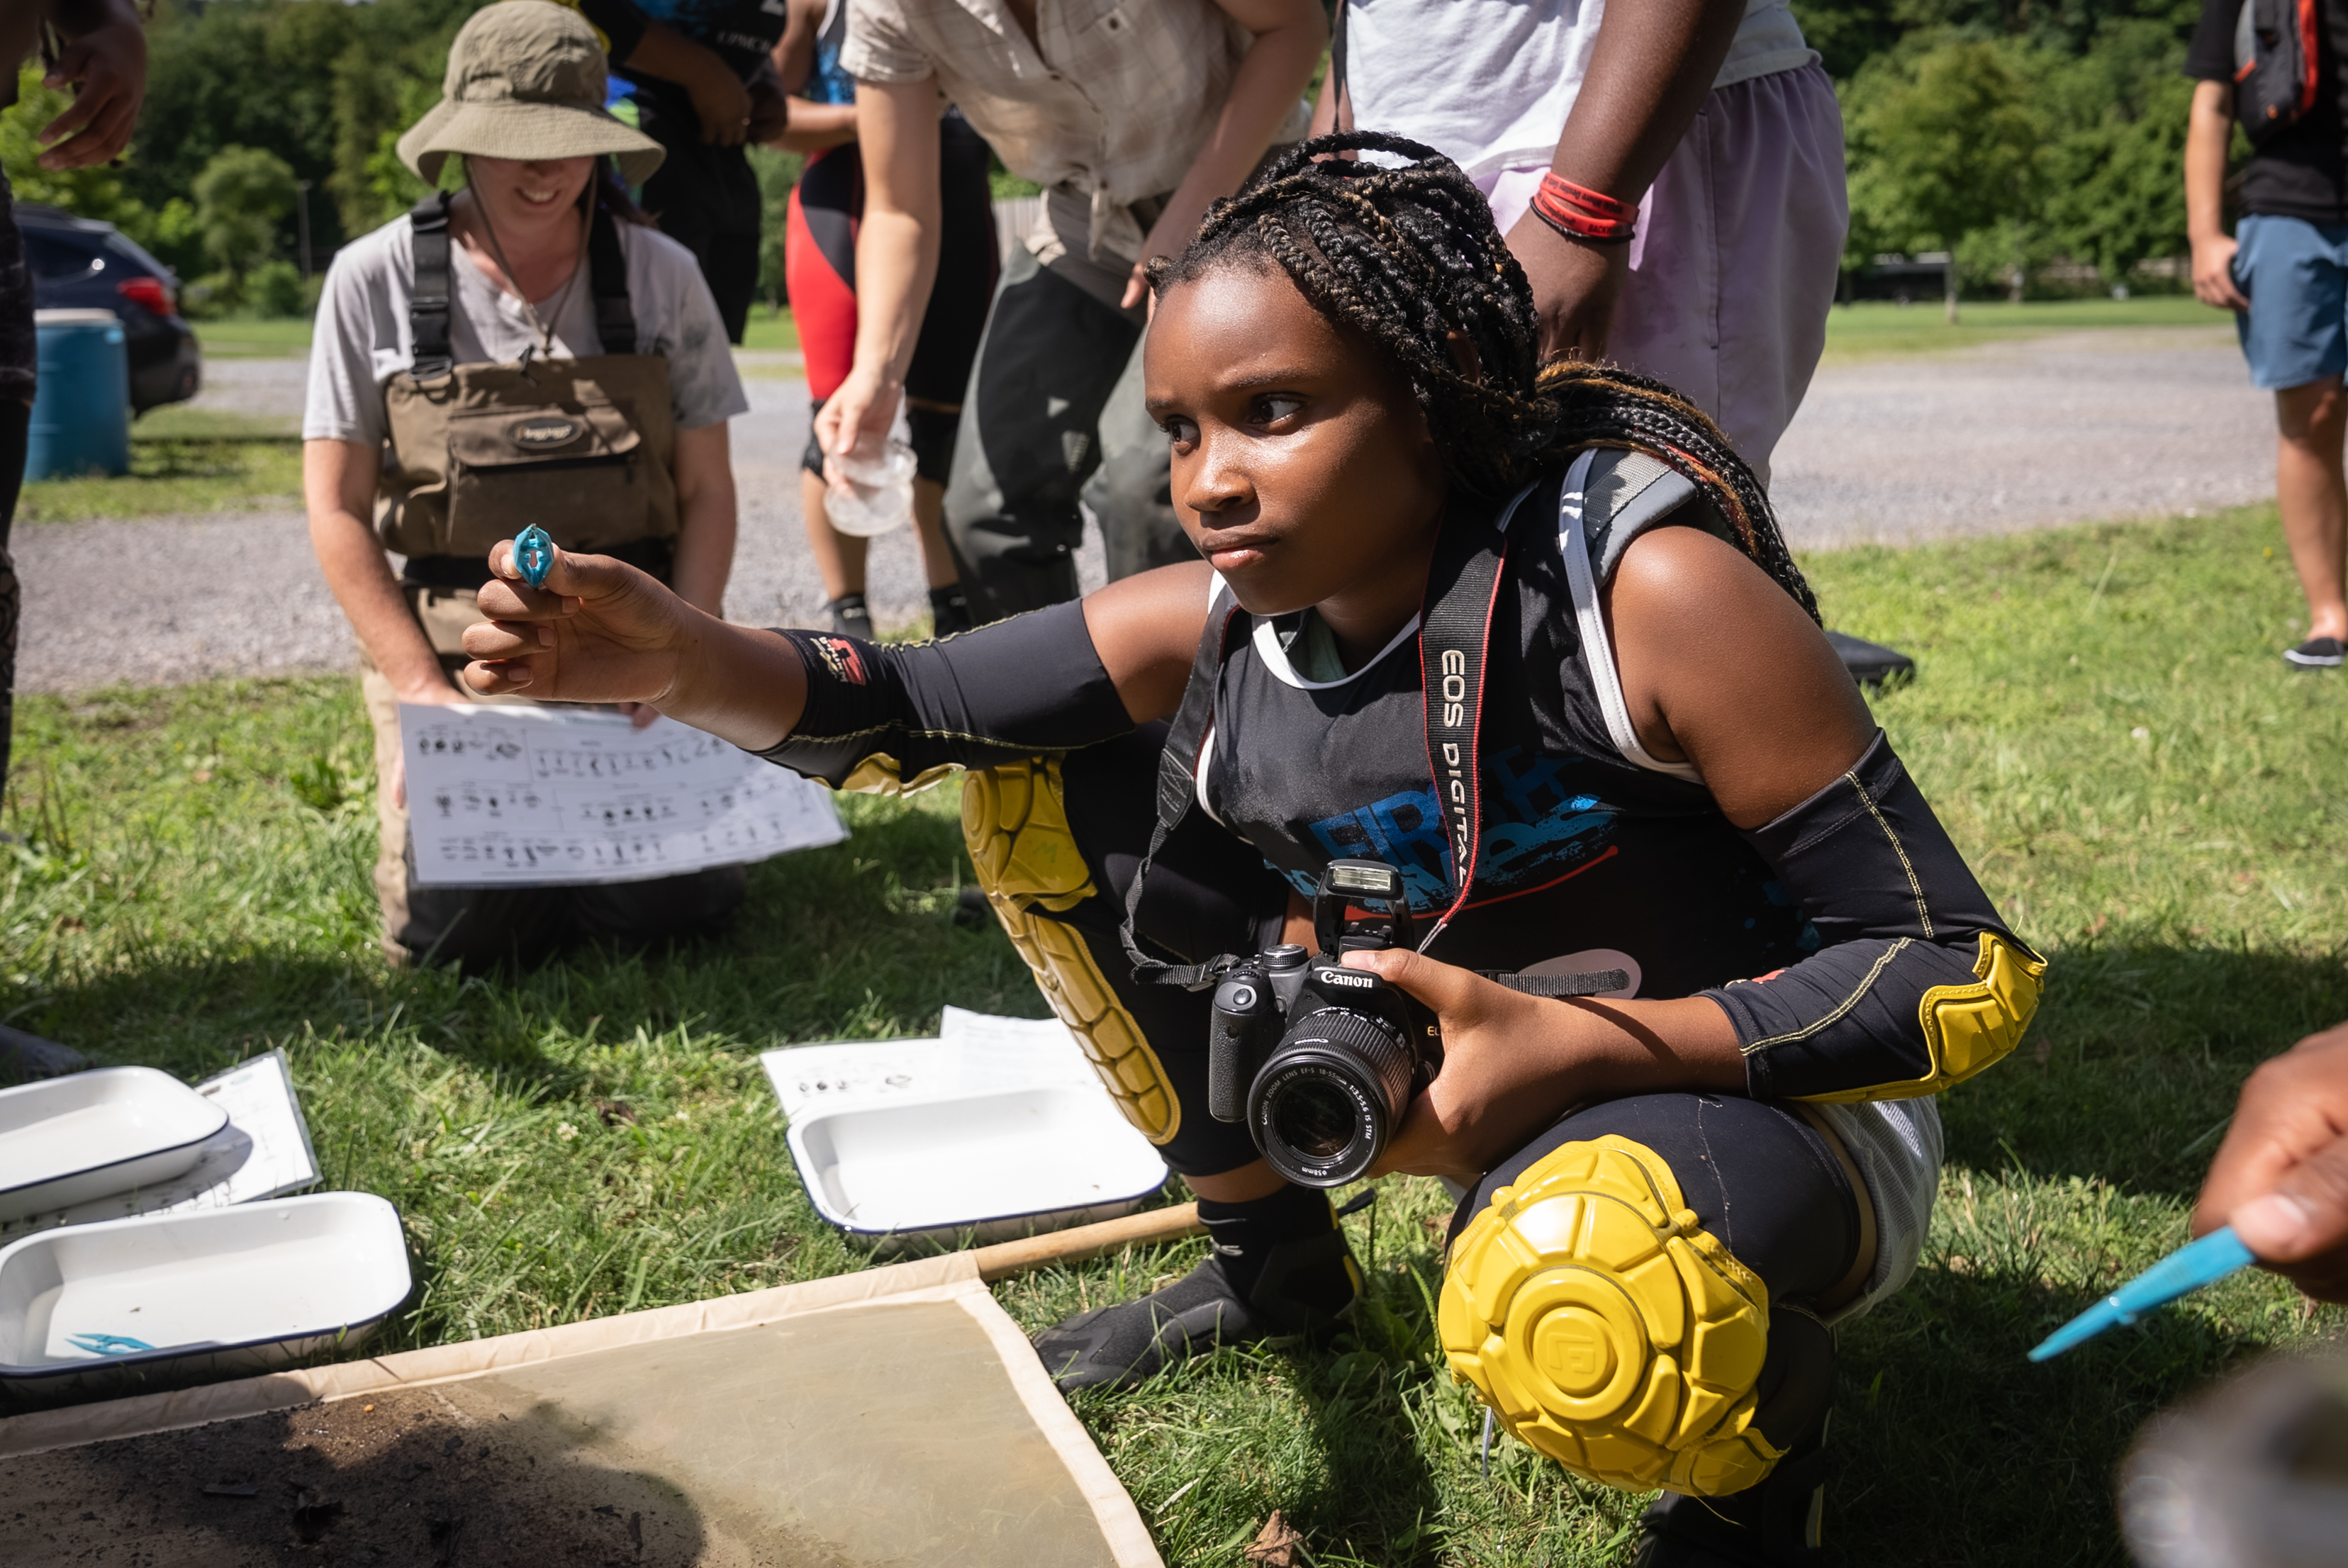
(819, 265)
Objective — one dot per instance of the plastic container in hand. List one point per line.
(864, 495)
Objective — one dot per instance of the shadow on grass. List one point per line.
(2129, 1072)
(1950, 1448)
(855, 941)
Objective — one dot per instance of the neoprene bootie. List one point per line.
(1776, 1524)
(949, 611)
(850, 617)
(1281, 1266)
(1772, 1525)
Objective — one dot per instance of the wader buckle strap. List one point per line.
(607, 275)
(428, 301)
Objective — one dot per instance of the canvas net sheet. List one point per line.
(893, 1417)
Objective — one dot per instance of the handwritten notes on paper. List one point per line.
(506, 795)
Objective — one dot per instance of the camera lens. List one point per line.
(1315, 1116)
(1329, 1094)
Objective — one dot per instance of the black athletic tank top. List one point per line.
(1588, 860)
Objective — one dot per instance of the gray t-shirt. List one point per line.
(360, 338)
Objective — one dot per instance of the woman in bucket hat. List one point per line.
(524, 350)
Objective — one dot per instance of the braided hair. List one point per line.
(1409, 257)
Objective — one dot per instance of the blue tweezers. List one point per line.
(533, 552)
(108, 1344)
(2186, 1269)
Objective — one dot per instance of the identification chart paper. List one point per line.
(501, 796)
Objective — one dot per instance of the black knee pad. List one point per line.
(932, 432)
(812, 459)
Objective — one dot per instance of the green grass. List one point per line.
(277, 337)
(183, 461)
(192, 886)
(1875, 329)
(771, 331)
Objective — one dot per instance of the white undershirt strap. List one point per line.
(1597, 647)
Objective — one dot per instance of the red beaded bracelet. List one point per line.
(1581, 213)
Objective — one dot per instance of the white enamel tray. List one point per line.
(254, 1285)
(975, 1168)
(93, 1134)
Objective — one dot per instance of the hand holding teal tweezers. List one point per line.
(2186, 1270)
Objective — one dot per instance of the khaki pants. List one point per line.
(480, 927)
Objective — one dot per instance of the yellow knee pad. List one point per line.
(1015, 823)
(1606, 1329)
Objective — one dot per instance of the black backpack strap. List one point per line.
(1454, 631)
(428, 301)
(607, 274)
(1177, 795)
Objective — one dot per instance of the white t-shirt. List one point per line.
(361, 339)
(1488, 83)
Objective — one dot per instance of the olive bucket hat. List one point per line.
(526, 80)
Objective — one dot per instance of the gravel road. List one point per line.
(2024, 435)
(2010, 435)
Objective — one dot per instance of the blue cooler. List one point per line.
(81, 412)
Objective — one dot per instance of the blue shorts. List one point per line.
(2296, 275)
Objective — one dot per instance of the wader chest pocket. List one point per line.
(584, 466)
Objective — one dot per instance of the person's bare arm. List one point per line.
(794, 52)
(338, 482)
(105, 63)
(1289, 38)
(818, 126)
(707, 517)
(2208, 134)
(719, 98)
(2280, 1178)
(1721, 668)
(896, 258)
(1650, 71)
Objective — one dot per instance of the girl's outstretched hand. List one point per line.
(599, 630)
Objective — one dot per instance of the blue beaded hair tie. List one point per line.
(533, 552)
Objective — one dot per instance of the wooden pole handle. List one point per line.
(1006, 1258)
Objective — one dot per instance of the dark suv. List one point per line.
(80, 264)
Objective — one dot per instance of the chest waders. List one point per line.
(583, 448)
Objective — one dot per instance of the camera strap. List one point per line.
(1455, 632)
(1463, 583)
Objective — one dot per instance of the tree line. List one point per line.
(2015, 133)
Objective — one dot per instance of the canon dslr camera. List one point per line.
(1320, 1060)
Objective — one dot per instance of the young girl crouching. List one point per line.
(1529, 637)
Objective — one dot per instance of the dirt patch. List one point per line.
(408, 1478)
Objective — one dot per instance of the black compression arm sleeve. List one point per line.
(619, 22)
(1917, 984)
(897, 715)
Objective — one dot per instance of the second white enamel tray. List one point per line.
(251, 1285)
(985, 1166)
(67, 1140)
